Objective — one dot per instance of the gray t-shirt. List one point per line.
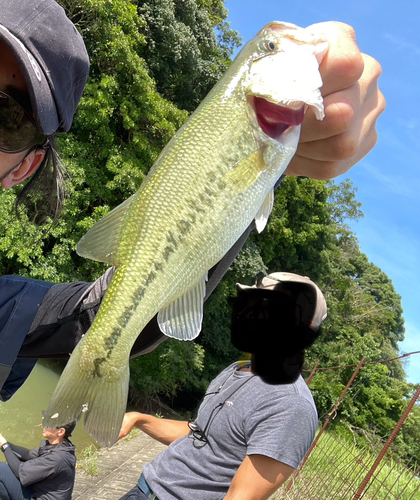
(241, 415)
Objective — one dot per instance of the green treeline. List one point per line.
(152, 62)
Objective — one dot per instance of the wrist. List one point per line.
(140, 419)
(4, 446)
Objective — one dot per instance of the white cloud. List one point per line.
(412, 123)
(402, 44)
(393, 248)
(395, 184)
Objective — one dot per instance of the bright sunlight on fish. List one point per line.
(211, 180)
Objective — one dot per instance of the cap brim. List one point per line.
(42, 101)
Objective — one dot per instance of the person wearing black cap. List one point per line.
(256, 423)
(43, 70)
(44, 473)
(44, 67)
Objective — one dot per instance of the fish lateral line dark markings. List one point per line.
(97, 365)
(158, 266)
(151, 278)
(167, 252)
(206, 199)
(195, 207)
(184, 227)
(170, 238)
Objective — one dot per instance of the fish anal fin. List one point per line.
(264, 212)
(246, 172)
(101, 241)
(182, 318)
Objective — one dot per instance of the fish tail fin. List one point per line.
(100, 400)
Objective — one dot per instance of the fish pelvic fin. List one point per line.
(182, 318)
(264, 212)
(101, 401)
(101, 241)
(246, 172)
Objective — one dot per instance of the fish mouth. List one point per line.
(273, 119)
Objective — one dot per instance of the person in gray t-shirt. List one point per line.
(255, 423)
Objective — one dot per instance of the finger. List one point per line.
(343, 109)
(341, 146)
(328, 169)
(339, 116)
(343, 64)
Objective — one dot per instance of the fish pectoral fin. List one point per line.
(247, 171)
(101, 241)
(264, 212)
(182, 318)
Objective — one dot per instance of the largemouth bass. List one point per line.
(211, 180)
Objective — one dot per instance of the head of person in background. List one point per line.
(44, 67)
(56, 435)
(275, 321)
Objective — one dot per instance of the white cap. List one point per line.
(309, 297)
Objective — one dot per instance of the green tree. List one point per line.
(182, 50)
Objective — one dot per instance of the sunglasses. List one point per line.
(17, 127)
(197, 432)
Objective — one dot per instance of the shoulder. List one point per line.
(283, 398)
(62, 457)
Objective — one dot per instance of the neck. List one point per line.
(55, 441)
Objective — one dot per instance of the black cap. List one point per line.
(69, 428)
(52, 56)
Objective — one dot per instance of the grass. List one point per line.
(88, 462)
(336, 468)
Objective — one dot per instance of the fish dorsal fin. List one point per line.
(246, 172)
(101, 241)
(182, 318)
(264, 212)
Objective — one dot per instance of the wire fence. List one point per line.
(334, 468)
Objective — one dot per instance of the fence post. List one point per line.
(325, 424)
(381, 455)
(312, 373)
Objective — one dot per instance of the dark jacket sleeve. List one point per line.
(12, 454)
(38, 469)
(19, 302)
(21, 452)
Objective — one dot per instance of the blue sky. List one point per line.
(388, 179)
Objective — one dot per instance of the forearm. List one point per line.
(22, 453)
(163, 430)
(12, 461)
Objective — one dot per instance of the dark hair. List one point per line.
(47, 183)
(69, 428)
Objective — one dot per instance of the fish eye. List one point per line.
(268, 46)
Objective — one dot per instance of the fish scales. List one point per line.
(211, 180)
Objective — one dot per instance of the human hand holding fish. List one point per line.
(211, 180)
(352, 102)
